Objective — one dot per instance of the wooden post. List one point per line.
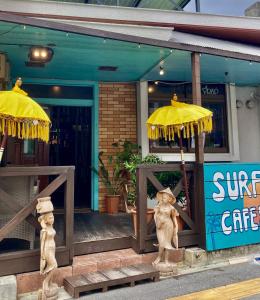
(69, 213)
(141, 208)
(196, 99)
(199, 154)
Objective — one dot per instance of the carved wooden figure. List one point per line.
(48, 263)
(166, 224)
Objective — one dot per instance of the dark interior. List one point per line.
(70, 144)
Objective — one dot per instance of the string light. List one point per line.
(161, 72)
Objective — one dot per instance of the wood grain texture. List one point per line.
(74, 285)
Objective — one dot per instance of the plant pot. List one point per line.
(181, 223)
(112, 203)
(149, 217)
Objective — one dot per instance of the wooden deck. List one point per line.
(88, 227)
(92, 226)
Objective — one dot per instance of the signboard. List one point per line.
(232, 204)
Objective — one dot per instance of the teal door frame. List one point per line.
(94, 105)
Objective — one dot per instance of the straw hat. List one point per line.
(44, 205)
(167, 191)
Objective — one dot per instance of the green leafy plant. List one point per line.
(113, 174)
(110, 175)
(131, 166)
(167, 179)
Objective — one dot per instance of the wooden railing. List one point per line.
(146, 237)
(28, 260)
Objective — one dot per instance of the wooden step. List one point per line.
(75, 285)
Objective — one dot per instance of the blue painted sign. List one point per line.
(232, 204)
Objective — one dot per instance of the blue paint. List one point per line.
(94, 104)
(94, 158)
(232, 204)
(79, 57)
(66, 102)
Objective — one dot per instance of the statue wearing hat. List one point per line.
(165, 217)
(48, 263)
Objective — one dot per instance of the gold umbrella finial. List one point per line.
(174, 98)
(17, 87)
(19, 82)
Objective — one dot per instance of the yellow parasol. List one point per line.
(179, 119)
(21, 117)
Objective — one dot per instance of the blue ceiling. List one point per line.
(78, 57)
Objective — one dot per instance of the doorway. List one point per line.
(70, 144)
(73, 110)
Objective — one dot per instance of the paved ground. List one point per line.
(173, 287)
(233, 291)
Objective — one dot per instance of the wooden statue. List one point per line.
(48, 263)
(166, 226)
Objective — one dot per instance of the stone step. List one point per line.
(8, 288)
(102, 280)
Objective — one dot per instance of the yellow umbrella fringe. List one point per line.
(169, 132)
(25, 130)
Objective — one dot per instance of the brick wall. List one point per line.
(117, 120)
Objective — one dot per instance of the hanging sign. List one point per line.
(232, 204)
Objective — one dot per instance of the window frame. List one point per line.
(232, 129)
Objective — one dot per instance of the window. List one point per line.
(213, 98)
(29, 147)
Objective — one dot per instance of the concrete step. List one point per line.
(30, 282)
(8, 288)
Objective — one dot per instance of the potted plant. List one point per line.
(167, 179)
(113, 175)
(182, 202)
(112, 180)
(131, 166)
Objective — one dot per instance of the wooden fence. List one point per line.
(193, 234)
(28, 260)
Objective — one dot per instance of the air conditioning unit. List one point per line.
(2, 67)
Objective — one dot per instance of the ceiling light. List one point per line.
(44, 53)
(40, 54)
(56, 89)
(161, 72)
(36, 53)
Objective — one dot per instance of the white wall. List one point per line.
(248, 126)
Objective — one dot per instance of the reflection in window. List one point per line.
(29, 147)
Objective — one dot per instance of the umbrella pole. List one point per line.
(3, 144)
(185, 181)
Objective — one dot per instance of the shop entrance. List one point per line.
(73, 140)
(70, 144)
